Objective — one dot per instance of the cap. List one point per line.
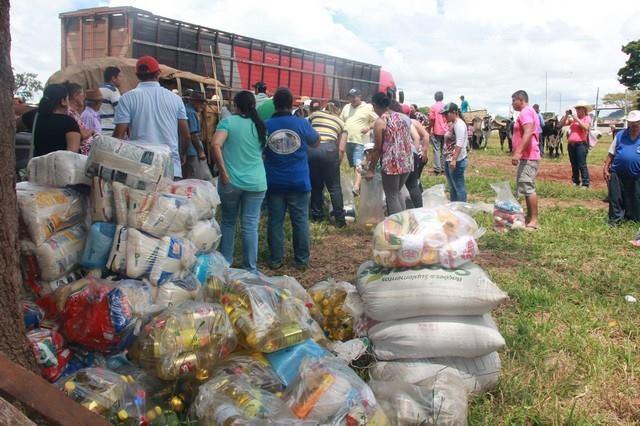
(93, 95)
(450, 107)
(147, 65)
(633, 116)
(354, 92)
(194, 95)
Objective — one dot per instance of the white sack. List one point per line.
(58, 255)
(58, 168)
(435, 336)
(120, 203)
(202, 193)
(102, 209)
(390, 294)
(117, 260)
(205, 235)
(160, 214)
(479, 374)
(136, 164)
(46, 210)
(159, 258)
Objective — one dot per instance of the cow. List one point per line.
(479, 132)
(552, 137)
(505, 132)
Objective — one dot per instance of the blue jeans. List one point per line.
(298, 205)
(355, 153)
(233, 201)
(455, 178)
(578, 158)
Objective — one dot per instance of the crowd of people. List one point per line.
(275, 154)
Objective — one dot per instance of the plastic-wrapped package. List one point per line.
(96, 315)
(205, 235)
(32, 314)
(390, 294)
(210, 270)
(201, 192)
(120, 203)
(438, 400)
(479, 374)
(328, 391)
(50, 351)
(266, 319)
(46, 210)
(176, 291)
(58, 168)
(58, 255)
(117, 260)
(507, 212)
(160, 258)
(103, 391)
(330, 297)
(434, 196)
(286, 362)
(371, 211)
(31, 277)
(254, 368)
(425, 237)
(185, 340)
(135, 164)
(226, 398)
(159, 213)
(98, 245)
(435, 336)
(141, 296)
(101, 200)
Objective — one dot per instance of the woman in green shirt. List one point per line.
(237, 146)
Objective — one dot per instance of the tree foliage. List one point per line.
(26, 85)
(629, 74)
(621, 100)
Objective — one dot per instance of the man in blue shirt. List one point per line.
(196, 166)
(288, 183)
(153, 114)
(622, 172)
(464, 105)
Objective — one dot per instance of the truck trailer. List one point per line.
(240, 61)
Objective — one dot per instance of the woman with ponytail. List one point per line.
(237, 147)
(54, 129)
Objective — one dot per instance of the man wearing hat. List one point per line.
(153, 114)
(358, 117)
(622, 172)
(196, 166)
(90, 117)
(578, 141)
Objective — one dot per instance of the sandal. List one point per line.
(531, 228)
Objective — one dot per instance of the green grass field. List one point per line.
(572, 353)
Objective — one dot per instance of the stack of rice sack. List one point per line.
(52, 216)
(427, 306)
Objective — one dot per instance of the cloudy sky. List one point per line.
(482, 49)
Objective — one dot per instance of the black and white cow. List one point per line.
(505, 132)
(552, 137)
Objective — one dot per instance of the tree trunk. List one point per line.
(13, 341)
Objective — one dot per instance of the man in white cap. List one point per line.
(358, 117)
(622, 172)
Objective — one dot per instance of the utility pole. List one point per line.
(560, 104)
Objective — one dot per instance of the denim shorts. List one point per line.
(355, 153)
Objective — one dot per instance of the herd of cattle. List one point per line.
(551, 141)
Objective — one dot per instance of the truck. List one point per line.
(237, 61)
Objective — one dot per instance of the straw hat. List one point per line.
(584, 104)
(93, 95)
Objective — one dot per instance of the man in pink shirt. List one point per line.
(439, 127)
(526, 154)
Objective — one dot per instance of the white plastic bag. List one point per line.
(138, 165)
(117, 260)
(60, 254)
(102, 208)
(435, 336)
(120, 202)
(479, 374)
(390, 294)
(438, 400)
(160, 214)
(205, 235)
(507, 212)
(203, 194)
(371, 211)
(58, 168)
(45, 210)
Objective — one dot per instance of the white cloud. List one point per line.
(484, 50)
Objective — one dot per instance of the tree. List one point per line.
(425, 110)
(629, 74)
(13, 340)
(621, 100)
(26, 85)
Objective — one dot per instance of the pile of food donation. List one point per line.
(132, 312)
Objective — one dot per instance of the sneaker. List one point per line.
(302, 266)
(585, 186)
(275, 266)
(341, 223)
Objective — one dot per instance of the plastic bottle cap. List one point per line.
(158, 410)
(70, 386)
(122, 415)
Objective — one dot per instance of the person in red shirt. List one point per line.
(578, 142)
